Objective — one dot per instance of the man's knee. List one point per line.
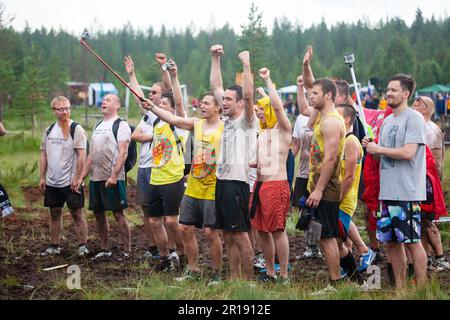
(186, 230)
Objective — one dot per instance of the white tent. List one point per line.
(288, 90)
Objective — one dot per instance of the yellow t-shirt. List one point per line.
(202, 179)
(350, 200)
(332, 192)
(168, 159)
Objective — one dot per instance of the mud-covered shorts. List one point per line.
(399, 222)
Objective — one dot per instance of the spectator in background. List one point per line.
(375, 102)
(383, 102)
(440, 107)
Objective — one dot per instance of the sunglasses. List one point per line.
(420, 99)
(61, 109)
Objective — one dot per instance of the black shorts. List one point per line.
(164, 201)
(232, 206)
(328, 215)
(102, 199)
(300, 190)
(143, 186)
(57, 197)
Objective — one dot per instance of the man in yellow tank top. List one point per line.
(198, 204)
(351, 176)
(327, 148)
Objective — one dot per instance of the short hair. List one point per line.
(342, 87)
(58, 100)
(406, 82)
(327, 87)
(238, 90)
(349, 111)
(169, 95)
(161, 85)
(211, 94)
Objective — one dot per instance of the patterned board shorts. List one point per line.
(400, 222)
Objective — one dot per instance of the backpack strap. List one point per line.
(73, 128)
(49, 130)
(115, 127)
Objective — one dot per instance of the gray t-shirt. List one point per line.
(238, 149)
(146, 156)
(104, 149)
(61, 155)
(402, 180)
(304, 134)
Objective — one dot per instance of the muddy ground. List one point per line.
(24, 235)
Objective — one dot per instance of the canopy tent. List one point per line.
(288, 90)
(99, 90)
(436, 88)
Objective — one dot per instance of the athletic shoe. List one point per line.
(102, 255)
(151, 255)
(83, 250)
(312, 252)
(189, 275)
(165, 265)
(51, 251)
(124, 255)
(328, 290)
(259, 262)
(441, 265)
(265, 278)
(366, 260)
(284, 281)
(215, 280)
(175, 259)
(378, 258)
(430, 264)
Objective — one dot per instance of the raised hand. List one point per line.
(161, 58)
(307, 59)
(244, 56)
(129, 65)
(264, 73)
(261, 92)
(300, 81)
(217, 50)
(174, 69)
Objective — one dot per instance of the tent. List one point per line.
(288, 90)
(436, 88)
(98, 90)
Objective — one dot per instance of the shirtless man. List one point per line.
(271, 194)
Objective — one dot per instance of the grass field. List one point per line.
(24, 235)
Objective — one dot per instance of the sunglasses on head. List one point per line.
(420, 99)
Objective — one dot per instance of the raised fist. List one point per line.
(217, 50)
(244, 56)
(264, 73)
(300, 81)
(161, 58)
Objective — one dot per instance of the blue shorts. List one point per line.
(399, 222)
(344, 225)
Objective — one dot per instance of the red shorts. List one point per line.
(272, 209)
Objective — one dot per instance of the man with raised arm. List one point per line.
(271, 195)
(198, 204)
(238, 149)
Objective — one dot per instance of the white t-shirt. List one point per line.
(104, 149)
(238, 149)
(61, 155)
(304, 134)
(146, 156)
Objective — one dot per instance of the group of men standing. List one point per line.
(228, 142)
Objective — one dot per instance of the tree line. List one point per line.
(36, 64)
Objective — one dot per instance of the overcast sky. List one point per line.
(75, 15)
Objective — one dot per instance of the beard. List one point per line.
(64, 122)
